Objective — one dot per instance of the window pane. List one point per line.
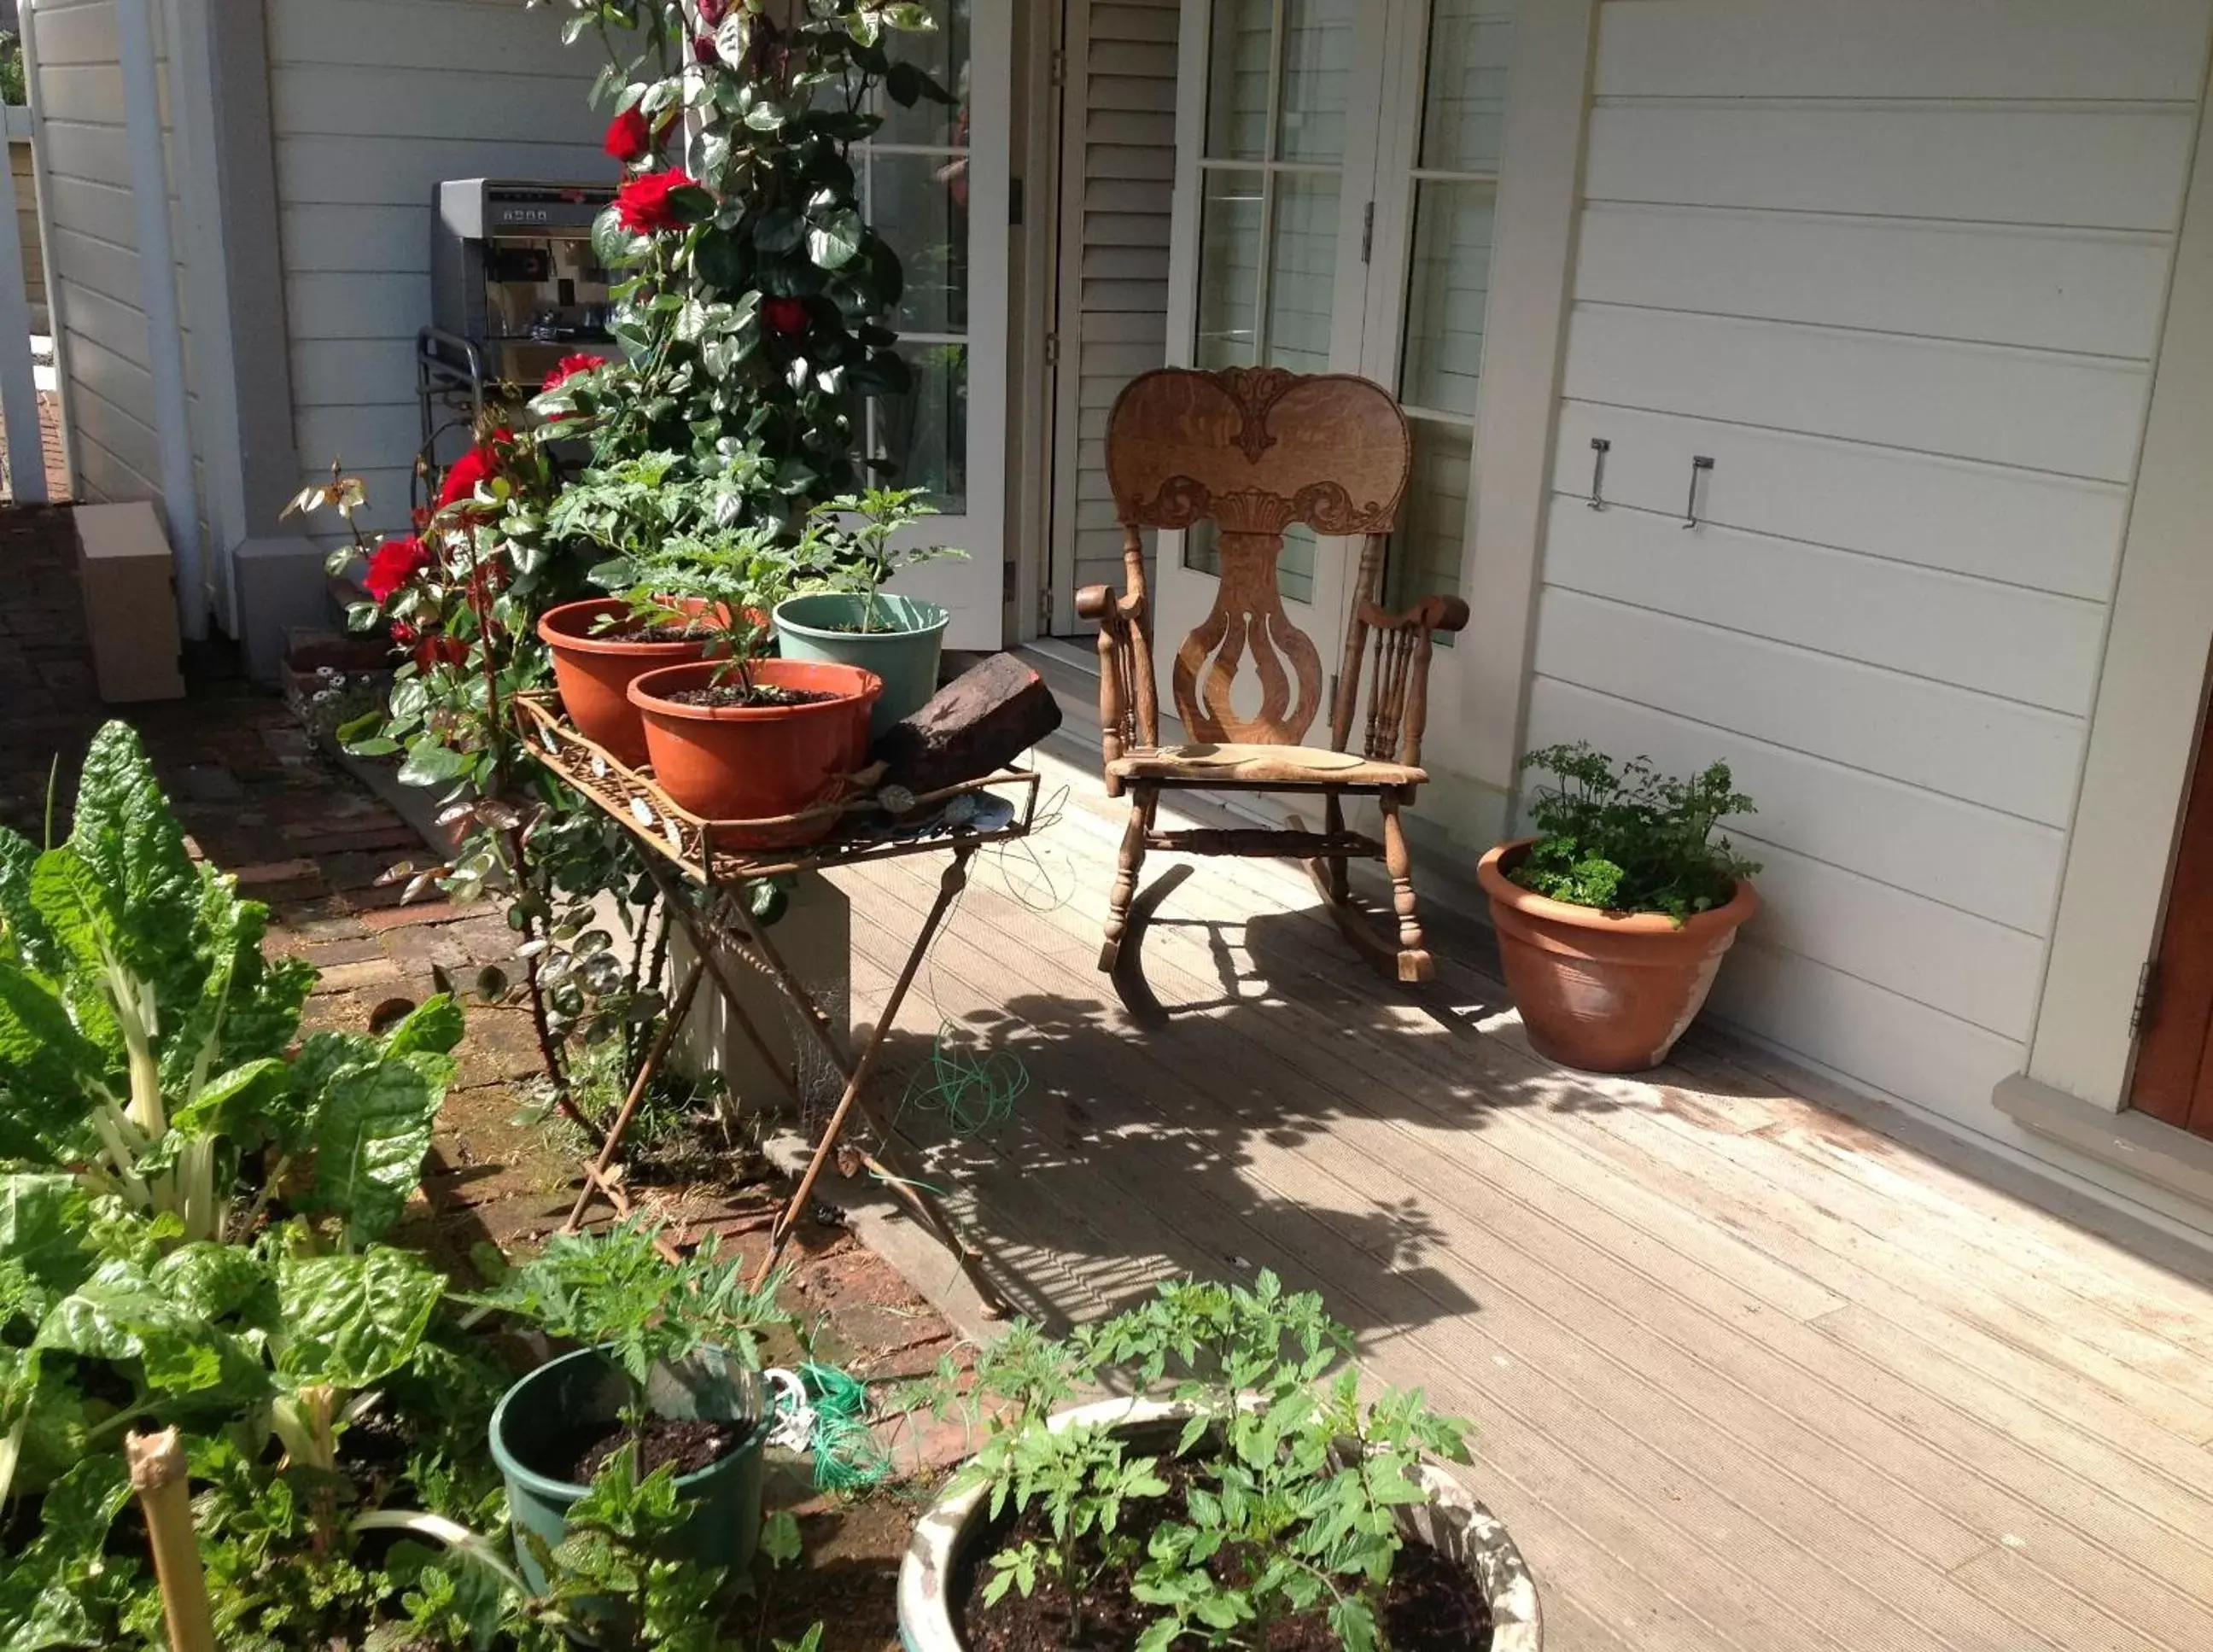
(1471, 44)
(1447, 286)
(1230, 268)
(1302, 272)
(1242, 61)
(943, 55)
(1425, 551)
(1317, 66)
(925, 432)
(919, 204)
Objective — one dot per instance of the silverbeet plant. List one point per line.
(1292, 1488)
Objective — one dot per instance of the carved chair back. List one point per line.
(1254, 450)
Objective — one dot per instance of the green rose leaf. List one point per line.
(833, 242)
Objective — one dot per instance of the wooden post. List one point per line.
(157, 1475)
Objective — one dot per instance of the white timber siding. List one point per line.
(375, 102)
(1898, 267)
(97, 303)
(1114, 316)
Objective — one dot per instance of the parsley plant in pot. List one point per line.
(669, 1373)
(855, 621)
(1614, 920)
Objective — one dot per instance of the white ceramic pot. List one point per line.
(1452, 1523)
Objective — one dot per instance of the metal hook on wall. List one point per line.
(1600, 448)
(1699, 465)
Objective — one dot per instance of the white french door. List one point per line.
(1337, 182)
(934, 184)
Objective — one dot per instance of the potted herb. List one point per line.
(738, 736)
(857, 622)
(1246, 1496)
(638, 513)
(668, 1373)
(1613, 919)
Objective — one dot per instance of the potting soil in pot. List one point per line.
(732, 696)
(1430, 1605)
(688, 1443)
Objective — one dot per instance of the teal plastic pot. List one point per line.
(903, 651)
(540, 1424)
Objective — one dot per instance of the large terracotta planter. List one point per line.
(1451, 1521)
(594, 669)
(756, 762)
(1609, 992)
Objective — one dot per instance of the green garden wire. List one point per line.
(976, 1092)
(848, 1457)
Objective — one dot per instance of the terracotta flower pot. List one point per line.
(753, 763)
(1609, 992)
(594, 669)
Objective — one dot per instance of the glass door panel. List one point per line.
(1449, 192)
(1270, 230)
(934, 183)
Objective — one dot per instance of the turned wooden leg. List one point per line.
(1133, 858)
(1414, 961)
(1340, 879)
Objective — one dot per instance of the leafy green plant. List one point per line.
(616, 1291)
(141, 1033)
(1081, 1477)
(1624, 838)
(853, 534)
(1292, 1487)
(611, 1583)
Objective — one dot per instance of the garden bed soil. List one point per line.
(689, 1443)
(724, 696)
(1430, 1605)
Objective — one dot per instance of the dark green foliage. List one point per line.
(1627, 838)
(1293, 1488)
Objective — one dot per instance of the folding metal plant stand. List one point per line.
(723, 857)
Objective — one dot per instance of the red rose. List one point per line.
(392, 564)
(704, 50)
(785, 315)
(478, 464)
(568, 367)
(642, 203)
(629, 138)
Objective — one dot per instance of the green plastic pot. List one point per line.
(538, 1422)
(903, 651)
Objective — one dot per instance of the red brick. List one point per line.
(379, 919)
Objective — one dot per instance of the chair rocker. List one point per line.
(1254, 450)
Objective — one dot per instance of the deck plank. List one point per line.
(1746, 1373)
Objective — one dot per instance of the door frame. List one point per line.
(2146, 721)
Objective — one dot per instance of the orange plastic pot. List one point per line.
(1608, 992)
(594, 665)
(758, 762)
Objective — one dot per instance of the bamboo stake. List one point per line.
(157, 1475)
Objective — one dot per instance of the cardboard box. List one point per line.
(128, 577)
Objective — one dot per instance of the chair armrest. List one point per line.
(1445, 613)
(1094, 601)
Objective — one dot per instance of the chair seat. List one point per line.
(1205, 765)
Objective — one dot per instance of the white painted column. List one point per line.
(19, 390)
(157, 274)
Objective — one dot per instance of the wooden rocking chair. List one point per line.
(1254, 450)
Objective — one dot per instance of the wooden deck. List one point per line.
(1746, 1374)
